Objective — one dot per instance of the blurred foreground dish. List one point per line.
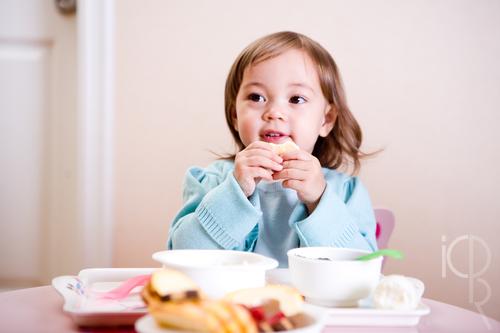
(175, 301)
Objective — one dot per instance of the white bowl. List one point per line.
(331, 276)
(218, 272)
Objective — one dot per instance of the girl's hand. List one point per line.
(302, 172)
(257, 161)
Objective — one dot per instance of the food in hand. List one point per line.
(284, 147)
(175, 301)
(398, 292)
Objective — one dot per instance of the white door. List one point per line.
(38, 222)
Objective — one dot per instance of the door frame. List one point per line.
(96, 113)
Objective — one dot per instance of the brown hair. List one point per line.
(341, 146)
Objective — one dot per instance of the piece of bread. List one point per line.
(284, 147)
(176, 302)
(290, 300)
(172, 284)
(186, 315)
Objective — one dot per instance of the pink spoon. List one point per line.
(124, 289)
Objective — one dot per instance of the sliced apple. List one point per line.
(290, 300)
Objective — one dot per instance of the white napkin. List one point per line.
(398, 292)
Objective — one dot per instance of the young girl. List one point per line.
(282, 87)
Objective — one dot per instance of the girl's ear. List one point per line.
(329, 121)
(235, 120)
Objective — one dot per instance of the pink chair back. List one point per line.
(385, 226)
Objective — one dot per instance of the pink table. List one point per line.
(40, 310)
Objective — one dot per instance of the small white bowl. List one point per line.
(218, 272)
(332, 277)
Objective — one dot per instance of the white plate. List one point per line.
(363, 315)
(88, 310)
(147, 324)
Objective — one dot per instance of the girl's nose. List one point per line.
(274, 112)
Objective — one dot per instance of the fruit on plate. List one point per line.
(175, 301)
(289, 299)
(204, 316)
(273, 307)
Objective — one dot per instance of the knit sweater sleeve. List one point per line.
(343, 218)
(215, 213)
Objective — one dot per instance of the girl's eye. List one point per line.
(256, 98)
(297, 100)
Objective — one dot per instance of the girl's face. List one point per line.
(281, 98)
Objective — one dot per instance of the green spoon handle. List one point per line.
(383, 252)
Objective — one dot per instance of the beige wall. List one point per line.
(422, 78)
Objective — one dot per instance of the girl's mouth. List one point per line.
(274, 137)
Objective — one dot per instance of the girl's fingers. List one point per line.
(297, 155)
(297, 164)
(295, 174)
(270, 152)
(260, 161)
(257, 172)
(264, 149)
(293, 184)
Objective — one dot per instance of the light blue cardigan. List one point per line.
(217, 215)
